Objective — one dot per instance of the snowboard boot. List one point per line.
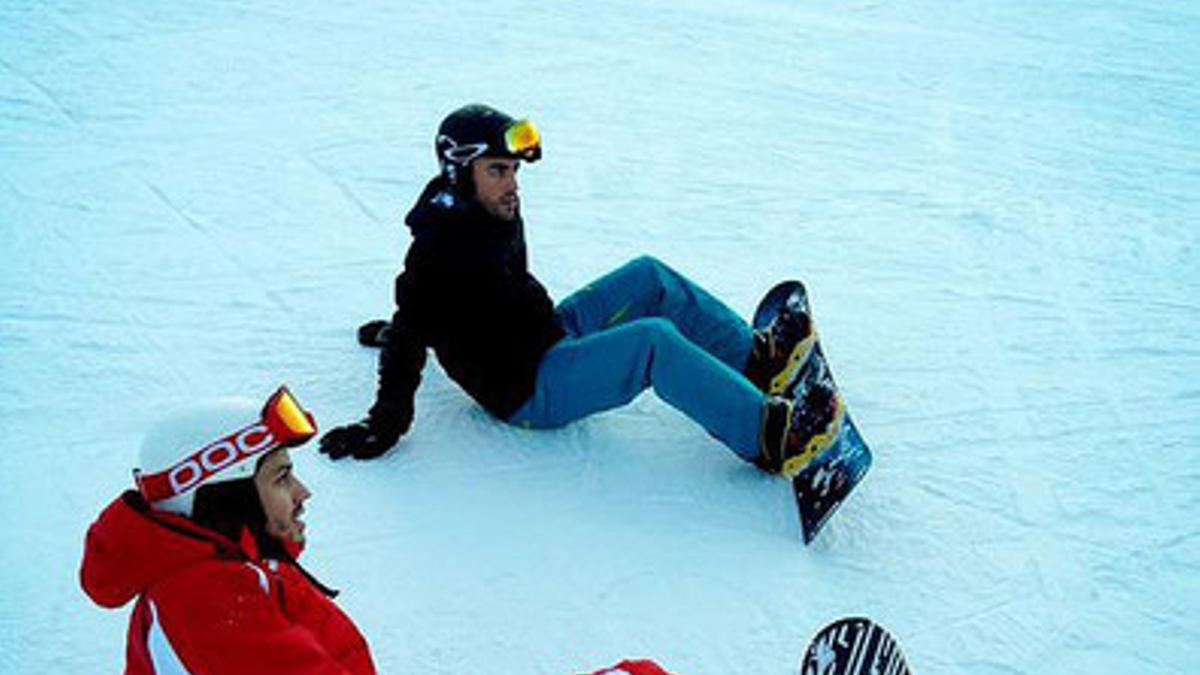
(796, 431)
(781, 349)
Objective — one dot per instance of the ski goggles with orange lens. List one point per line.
(283, 415)
(522, 139)
(282, 424)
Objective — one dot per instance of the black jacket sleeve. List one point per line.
(401, 360)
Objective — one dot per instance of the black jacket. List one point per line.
(466, 291)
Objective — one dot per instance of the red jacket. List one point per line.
(634, 667)
(205, 605)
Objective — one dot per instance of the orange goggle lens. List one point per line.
(283, 414)
(523, 140)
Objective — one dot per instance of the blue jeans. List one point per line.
(645, 325)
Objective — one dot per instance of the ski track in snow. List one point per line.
(994, 209)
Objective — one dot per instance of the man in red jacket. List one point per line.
(207, 544)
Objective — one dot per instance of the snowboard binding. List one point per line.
(795, 432)
(783, 346)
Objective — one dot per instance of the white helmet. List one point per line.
(215, 442)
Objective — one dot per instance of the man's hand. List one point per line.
(369, 438)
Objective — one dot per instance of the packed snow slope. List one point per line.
(994, 205)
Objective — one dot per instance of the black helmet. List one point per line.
(476, 130)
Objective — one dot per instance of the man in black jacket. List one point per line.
(466, 291)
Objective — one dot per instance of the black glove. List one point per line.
(369, 438)
(374, 333)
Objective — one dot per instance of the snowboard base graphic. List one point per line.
(854, 646)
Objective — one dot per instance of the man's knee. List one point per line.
(659, 274)
(648, 264)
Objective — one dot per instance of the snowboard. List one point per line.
(853, 646)
(822, 485)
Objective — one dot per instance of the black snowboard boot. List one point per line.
(782, 348)
(795, 431)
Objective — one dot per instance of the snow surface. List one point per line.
(994, 205)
